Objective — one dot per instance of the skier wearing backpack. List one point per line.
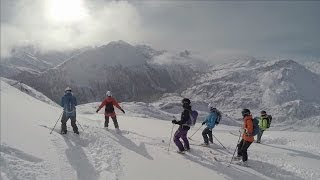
(68, 102)
(109, 102)
(247, 137)
(211, 120)
(183, 129)
(264, 123)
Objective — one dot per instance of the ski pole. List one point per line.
(195, 132)
(219, 142)
(170, 137)
(80, 126)
(235, 149)
(56, 122)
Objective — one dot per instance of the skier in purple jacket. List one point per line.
(183, 129)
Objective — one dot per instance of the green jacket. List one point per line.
(263, 123)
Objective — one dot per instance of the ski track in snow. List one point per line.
(93, 155)
(96, 153)
(18, 165)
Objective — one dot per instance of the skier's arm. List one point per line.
(104, 102)
(115, 103)
(206, 120)
(184, 117)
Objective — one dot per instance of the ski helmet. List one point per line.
(109, 93)
(67, 89)
(245, 112)
(263, 113)
(186, 101)
(211, 107)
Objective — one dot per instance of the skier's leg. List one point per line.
(115, 122)
(106, 121)
(259, 135)
(185, 139)
(176, 140)
(74, 125)
(240, 147)
(205, 136)
(244, 150)
(64, 120)
(210, 135)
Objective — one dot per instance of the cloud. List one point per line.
(216, 29)
(103, 22)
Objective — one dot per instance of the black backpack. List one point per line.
(218, 117)
(269, 119)
(109, 108)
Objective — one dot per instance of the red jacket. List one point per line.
(248, 124)
(108, 100)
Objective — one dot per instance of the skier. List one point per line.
(68, 102)
(247, 137)
(109, 102)
(210, 121)
(183, 129)
(264, 123)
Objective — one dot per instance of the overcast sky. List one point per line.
(212, 28)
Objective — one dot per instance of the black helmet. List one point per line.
(185, 101)
(245, 112)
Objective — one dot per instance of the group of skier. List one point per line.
(212, 119)
(69, 102)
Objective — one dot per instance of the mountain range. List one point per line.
(284, 88)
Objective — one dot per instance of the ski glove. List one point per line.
(174, 122)
(123, 111)
(203, 122)
(97, 110)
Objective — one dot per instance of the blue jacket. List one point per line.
(69, 102)
(211, 120)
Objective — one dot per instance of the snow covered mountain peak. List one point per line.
(283, 87)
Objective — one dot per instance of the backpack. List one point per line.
(193, 118)
(109, 108)
(69, 106)
(256, 129)
(269, 119)
(218, 117)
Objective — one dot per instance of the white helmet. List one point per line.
(67, 89)
(108, 93)
(211, 107)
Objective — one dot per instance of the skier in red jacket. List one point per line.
(109, 102)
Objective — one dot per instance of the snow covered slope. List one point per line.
(29, 90)
(28, 151)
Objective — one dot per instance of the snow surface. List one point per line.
(28, 151)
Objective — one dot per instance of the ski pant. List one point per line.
(64, 120)
(242, 149)
(259, 135)
(114, 119)
(181, 133)
(207, 135)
